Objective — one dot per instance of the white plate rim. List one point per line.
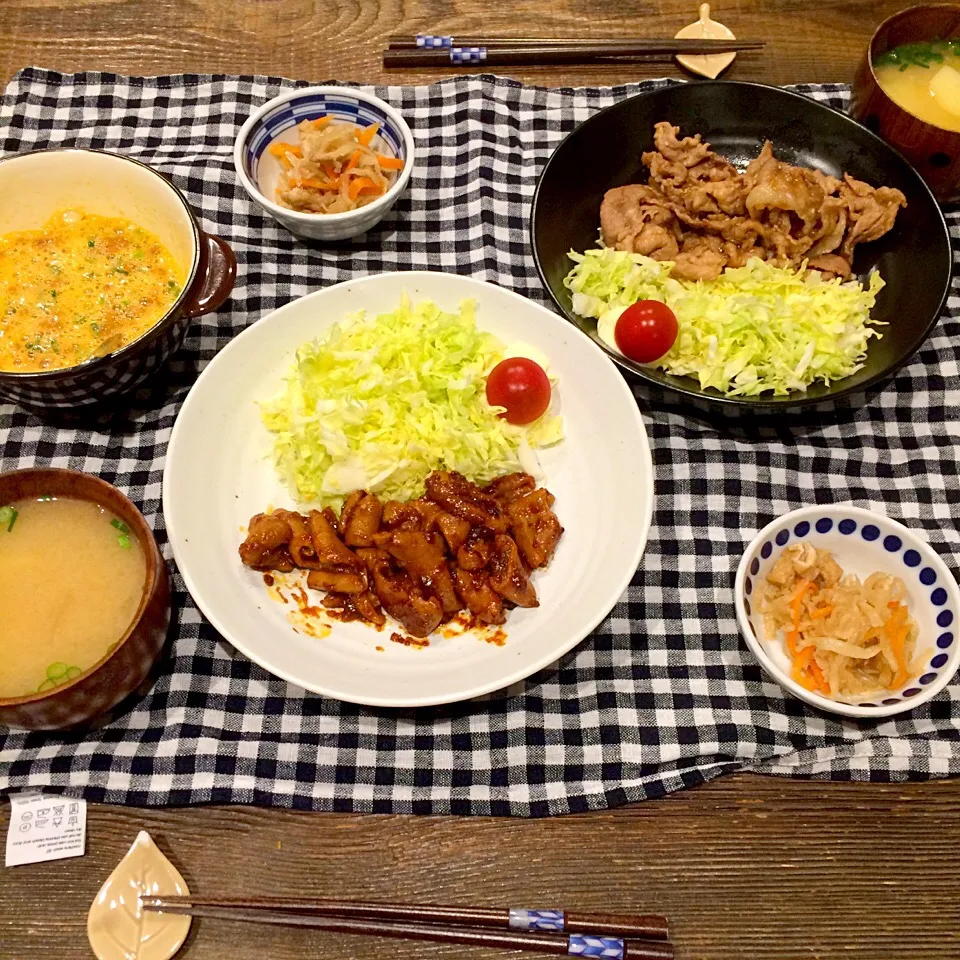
(618, 584)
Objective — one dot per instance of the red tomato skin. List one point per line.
(522, 387)
(646, 330)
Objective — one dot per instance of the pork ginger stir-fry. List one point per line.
(846, 639)
(422, 561)
(701, 213)
(334, 167)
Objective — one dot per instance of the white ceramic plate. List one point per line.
(219, 473)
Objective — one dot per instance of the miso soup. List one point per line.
(924, 78)
(71, 578)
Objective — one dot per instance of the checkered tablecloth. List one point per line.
(664, 694)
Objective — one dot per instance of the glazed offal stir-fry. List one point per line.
(846, 639)
(422, 561)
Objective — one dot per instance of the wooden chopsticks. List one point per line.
(606, 935)
(434, 50)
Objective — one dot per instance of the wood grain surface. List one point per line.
(746, 867)
(342, 39)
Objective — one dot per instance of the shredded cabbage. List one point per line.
(381, 401)
(754, 329)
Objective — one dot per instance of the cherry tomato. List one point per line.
(521, 386)
(646, 330)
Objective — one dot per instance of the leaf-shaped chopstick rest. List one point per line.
(706, 64)
(118, 927)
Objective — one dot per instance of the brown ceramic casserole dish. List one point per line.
(34, 186)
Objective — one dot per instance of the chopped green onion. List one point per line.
(46, 685)
(922, 54)
(8, 517)
(57, 670)
(91, 243)
(124, 541)
(73, 673)
(119, 525)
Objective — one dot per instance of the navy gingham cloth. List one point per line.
(664, 694)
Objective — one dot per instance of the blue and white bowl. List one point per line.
(862, 542)
(276, 121)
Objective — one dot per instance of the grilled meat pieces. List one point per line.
(699, 212)
(460, 546)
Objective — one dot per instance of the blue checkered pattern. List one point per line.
(664, 694)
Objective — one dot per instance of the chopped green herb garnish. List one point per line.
(918, 54)
(120, 268)
(8, 517)
(91, 243)
(119, 525)
(95, 327)
(138, 253)
(124, 541)
(53, 293)
(57, 671)
(57, 675)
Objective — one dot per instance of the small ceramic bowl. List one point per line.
(276, 121)
(119, 672)
(34, 186)
(934, 152)
(862, 542)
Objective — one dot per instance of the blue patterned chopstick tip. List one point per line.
(429, 41)
(584, 946)
(468, 54)
(550, 921)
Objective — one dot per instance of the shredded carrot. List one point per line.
(821, 613)
(319, 184)
(365, 136)
(282, 149)
(896, 630)
(330, 171)
(360, 185)
(355, 158)
(818, 678)
(389, 163)
(802, 588)
(321, 122)
(798, 669)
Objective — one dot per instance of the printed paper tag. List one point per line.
(45, 828)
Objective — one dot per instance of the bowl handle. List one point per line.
(215, 276)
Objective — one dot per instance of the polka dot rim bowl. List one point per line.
(276, 122)
(862, 542)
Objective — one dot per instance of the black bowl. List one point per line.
(914, 258)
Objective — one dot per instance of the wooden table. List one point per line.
(745, 867)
